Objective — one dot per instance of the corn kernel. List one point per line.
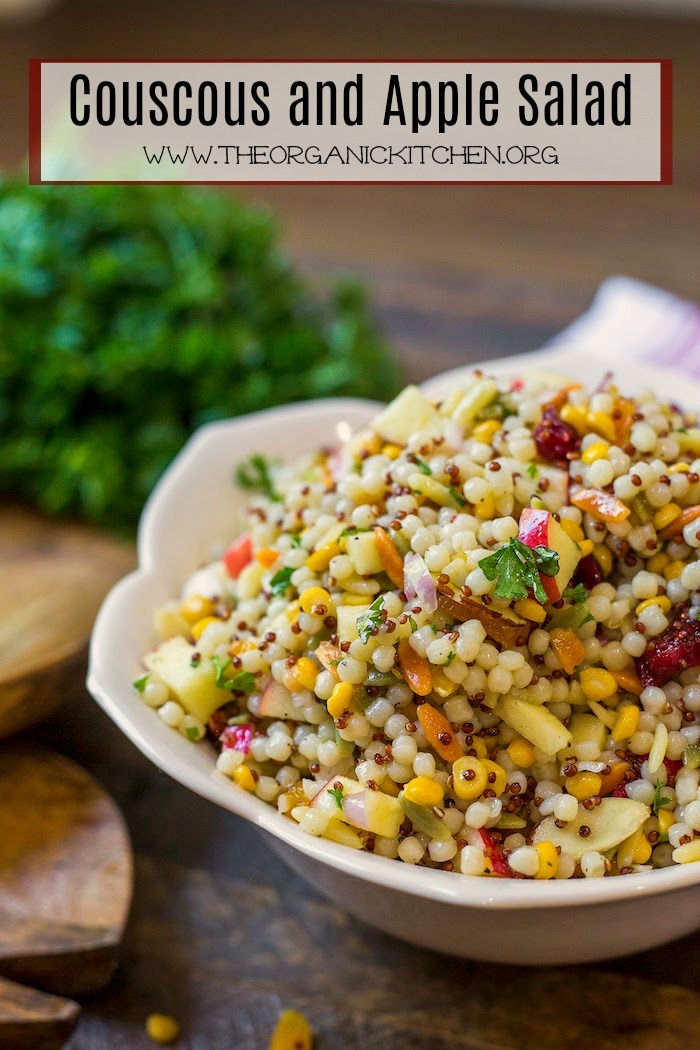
(688, 852)
(658, 563)
(626, 723)
(305, 672)
(470, 778)
(597, 684)
(679, 468)
(485, 510)
(241, 645)
(496, 776)
(596, 451)
(162, 1029)
(584, 785)
(292, 1031)
(572, 530)
(424, 792)
(602, 424)
(201, 626)
(549, 860)
(267, 557)
(339, 699)
(292, 611)
(529, 609)
(196, 608)
(521, 752)
(354, 599)
(485, 431)
(665, 515)
(391, 451)
(642, 851)
(666, 818)
(312, 597)
(320, 559)
(244, 778)
(604, 558)
(661, 600)
(480, 747)
(443, 685)
(586, 548)
(673, 570)
(575, 416)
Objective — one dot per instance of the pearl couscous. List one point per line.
(468, 639)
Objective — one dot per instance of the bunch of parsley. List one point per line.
(132, 315)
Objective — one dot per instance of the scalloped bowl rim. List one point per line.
(145, 730)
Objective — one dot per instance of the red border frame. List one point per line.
(666, 124)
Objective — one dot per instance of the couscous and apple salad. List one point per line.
(467, 639)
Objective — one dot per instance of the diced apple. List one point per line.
(407, 413)
(535, 722)
(365, 809)
(276, 702)
(347, 617)
(610, 823)
(194, 687)
(539, 528)
(336, 831)
(362, 551)
(586, 729)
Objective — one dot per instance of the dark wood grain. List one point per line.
(53, 577)
(31, 1020)
(65, 874)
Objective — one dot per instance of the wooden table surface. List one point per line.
(222, 935)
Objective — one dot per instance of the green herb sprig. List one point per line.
(516, 569)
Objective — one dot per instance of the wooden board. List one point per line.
(31, 1020)
(53, 577)
(65, 874)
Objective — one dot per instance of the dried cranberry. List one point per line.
(588, 572)
(237, 738)
(671, 652)
(494, 853)
(554, 438)
(672, 767)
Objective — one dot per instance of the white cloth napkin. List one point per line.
(634, 321)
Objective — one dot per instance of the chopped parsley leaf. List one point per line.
(412, 623)
(370, 619)
(243, 682)
(296, 541)
(337, 793)
(659, 798)
(192, 733)
(457, 496)
(281, 581)
(533, 471)
(516, 569)
(140, 683)
(254, 475)
(422, 465)
(450, 657)
(576, 594)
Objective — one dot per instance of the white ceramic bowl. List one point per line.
(196, 506)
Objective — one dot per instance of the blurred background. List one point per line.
(221, 935)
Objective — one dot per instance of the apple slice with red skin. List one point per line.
(368, 810)
(539, 528)
(276, 702)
